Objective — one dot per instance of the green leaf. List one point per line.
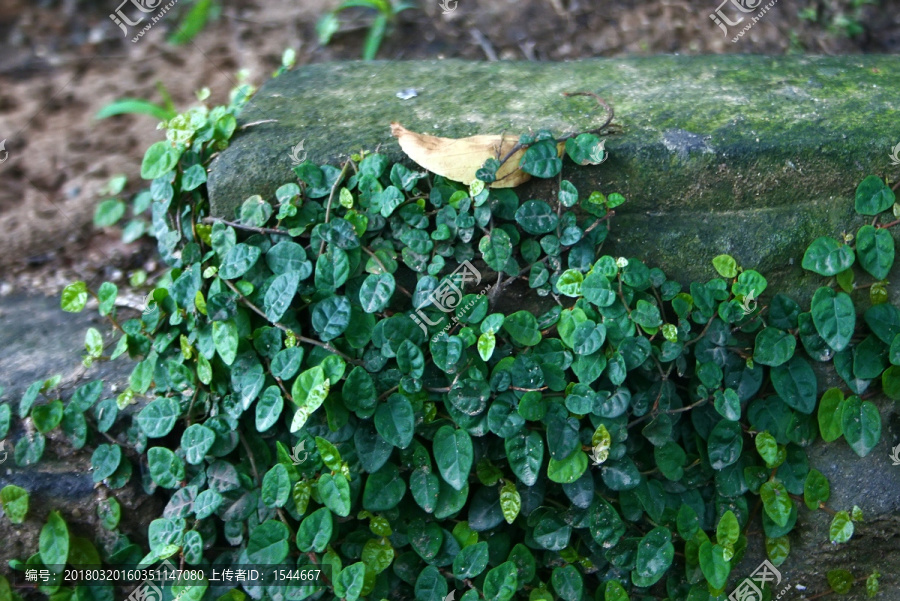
(315, 531)
(795, 383)
(158, 418)
(134, 106)
(109, 511)
(536, 217)
(728, 530)
(614, 592)
(159, 159)
(276, 486)
(569, 469)
(268, 543)
(890, 382)
(586, 149)
(14, 500)
(350, 581)
(496, 249)
(568, 194)
(773, 347)
(873, 196)
(510, 502)
(655, 553)
(166, 469)
(816, 489)
(829, 414)
(826, 256)
(376, 291)
(541, 159)
(430, 585)
(196, 441)
(861, 424)
(841, 528)
(834, 317)
(269, 406)
(726, 266)
(308, 393)
(384, 489)
(238, 261)
(646, 315)
(74, 297)
(525, 452)
(767, 448)
(875, 248)
(334, 491)
(523, 328)
(105, 461)
(486, 344)
(378, 555)
(331, 317)
(776, 501)
(470, 561)
(840, 581)
(453, 453)
(54, 543)
(280, 294)
(108, 213)
(725, 444)
(46, 417)
(714, 565)
(395, 421)
(501, 583)
(225, 340)
(567, 583)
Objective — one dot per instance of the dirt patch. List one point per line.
(63, 60)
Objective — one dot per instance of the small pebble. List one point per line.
(407, 94)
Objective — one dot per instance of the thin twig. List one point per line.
(249, 228)
(246, 125)
(284, 328)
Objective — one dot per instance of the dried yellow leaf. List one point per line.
(459, 159)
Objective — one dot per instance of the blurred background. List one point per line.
(62, 61)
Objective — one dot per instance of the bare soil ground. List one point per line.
(62, 60)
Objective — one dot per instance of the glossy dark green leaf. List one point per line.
(536, 217)
(315, 531)
(331, 317)
(567, 583)
(453, 453)
(542, 159)
(655, 553)
(525, 452)
(826, 256)
(268, 543)
(279, 295)
(776, 501)
(861, 425)
(725, 444)
(873, 196)
(714, 565)
(471, 561)
(395, 421)
(773, 347)
(795, 383)
(875, 249)
(834, 317)
(501, 582)
(384, 489)
(523, 328)
(238, 261)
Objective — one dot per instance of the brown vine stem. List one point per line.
(284, 328)
(884, 226)
(385, 270)
(334, 187)
(249, 228)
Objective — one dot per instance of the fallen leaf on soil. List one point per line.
(459, 159)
